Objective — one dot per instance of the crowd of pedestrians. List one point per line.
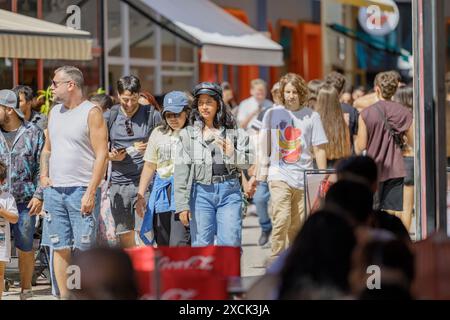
(125, 171)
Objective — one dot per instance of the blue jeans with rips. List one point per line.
(64, 225)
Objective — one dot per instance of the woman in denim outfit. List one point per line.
(211, 154)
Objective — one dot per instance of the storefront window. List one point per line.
(168, 43)
(5, 4)
(186, 51)
(28, 73)
(183, 83)
(114, 31)
(27, 7)
(177, 55)
(55, 11)
(142, 36)
(6, 73)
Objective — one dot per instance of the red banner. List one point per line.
(186, 272)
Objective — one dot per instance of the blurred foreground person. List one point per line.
(106, 274)
(391, 270)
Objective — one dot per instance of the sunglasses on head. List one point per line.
(129, 128)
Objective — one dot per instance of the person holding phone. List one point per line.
(130, 125)
(211, 154)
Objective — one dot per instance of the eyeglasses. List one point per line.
(172, 115)
(129, 128)
(55, 84)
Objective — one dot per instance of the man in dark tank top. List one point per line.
(382, 128)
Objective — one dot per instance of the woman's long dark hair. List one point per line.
(320, 256)
(223, 118)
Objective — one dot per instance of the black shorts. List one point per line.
(409, 168)
(390, 195)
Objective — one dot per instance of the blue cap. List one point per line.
(175, 102)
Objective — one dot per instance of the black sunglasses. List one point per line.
(129, 128)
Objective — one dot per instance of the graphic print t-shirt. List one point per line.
(8, 203)
(293, 134)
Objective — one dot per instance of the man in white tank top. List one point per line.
(73, 164)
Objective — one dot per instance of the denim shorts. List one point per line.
(23, 231)
(64, 225)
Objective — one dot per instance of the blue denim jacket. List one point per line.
(159, 202)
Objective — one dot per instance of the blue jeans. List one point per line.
(261, 201)
(64, 225)
(216, 210)
(24, 229)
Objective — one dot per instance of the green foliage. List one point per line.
(47, 95)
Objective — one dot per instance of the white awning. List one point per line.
(223, 38)
(24, 37)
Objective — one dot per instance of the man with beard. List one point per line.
(21, 143)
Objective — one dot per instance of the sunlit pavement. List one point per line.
(253, 264)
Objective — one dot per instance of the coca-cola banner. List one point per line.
(211, 262)
(192, 285)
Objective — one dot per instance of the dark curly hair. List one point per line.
(388, 83)
(223, 118)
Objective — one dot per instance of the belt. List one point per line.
(219, 179)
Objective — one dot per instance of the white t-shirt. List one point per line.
(161, 150)
(249, 106)
(293, 134)
(8, 203)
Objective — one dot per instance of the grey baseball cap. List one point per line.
(9, 99)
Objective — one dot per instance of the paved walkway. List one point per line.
(253, 262)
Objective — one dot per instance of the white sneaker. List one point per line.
(26, 294)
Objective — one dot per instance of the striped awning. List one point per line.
(367, 3)
(24, 37)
